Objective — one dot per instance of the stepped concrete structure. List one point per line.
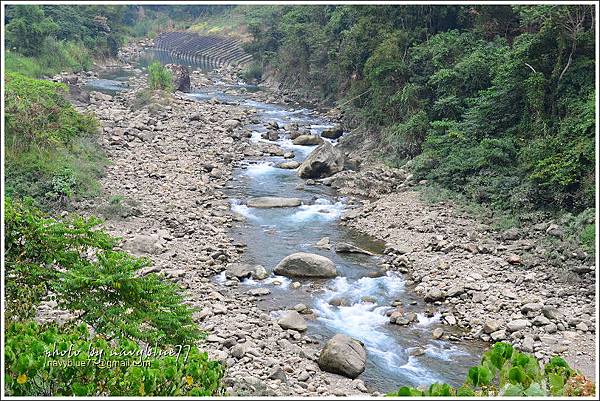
(211, 51)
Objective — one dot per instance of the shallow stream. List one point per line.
(272, 234)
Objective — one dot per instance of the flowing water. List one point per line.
(272, 234)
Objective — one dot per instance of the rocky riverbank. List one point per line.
(163, 193)
(525, 286)
(169, 160)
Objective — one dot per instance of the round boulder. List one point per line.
(343, 355)
(292, 320)
(308, 140)
(324, 161)
(304, 264)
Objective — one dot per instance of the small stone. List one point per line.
(257, 292)
(498, 335)
(292, 320)
(540, 320)
(514, 259)
(277, 374)
(303, 376)
(491, 326)
(517, 325)
(437, 333)
(527, 344)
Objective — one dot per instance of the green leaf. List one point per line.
(517, 375)
(535, 390)
(512, 390)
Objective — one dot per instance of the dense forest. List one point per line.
(493, 101)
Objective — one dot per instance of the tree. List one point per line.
(28, 29)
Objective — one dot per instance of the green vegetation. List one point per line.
(45, 40)
(159, 77)
(78, 264)
(29, 354)
(51, 151)
(75, 264)
(506, 372)
(494, 102)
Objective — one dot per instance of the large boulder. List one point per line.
(292, 320)
(324, 161)
(343, 355)
(181, 77)
(273, 201)
(308, 140)
(240, 270)
(332, 133)
(304, 264)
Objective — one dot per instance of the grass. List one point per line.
(57, 56)
(52, 153)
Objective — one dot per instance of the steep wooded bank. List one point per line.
(494, 102)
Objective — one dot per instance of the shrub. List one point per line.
(253, 72)
(506, 372)
(124, 369)
(77, 262)
(51, 149)
(159, 77)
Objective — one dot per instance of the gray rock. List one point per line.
(498, 335)
(239, 270)
(437, 333)
(273, 201)
(323, 243)
(290, 165)
(181, 77)
(292, 320)
(324, 161)
(343, 355)
(517, 325)
(260, 273)
(258, 292)
(455, 290)
(307, 140)
(332, 133)
(491, 326)
(304, 264)
(540, 320)
(277, 374)
(551, 312)
(343, 247)
(555, 230)
(143, 245)
(239, 350)
(531, 307)
(434, 294)
(527, 344)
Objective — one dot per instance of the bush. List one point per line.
(506, 372)
(32, 367)
(159, 77)
(253, 72)
(78, 263)
(51, 149)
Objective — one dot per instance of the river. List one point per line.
(272, 234)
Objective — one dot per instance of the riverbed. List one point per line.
(396, 355)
